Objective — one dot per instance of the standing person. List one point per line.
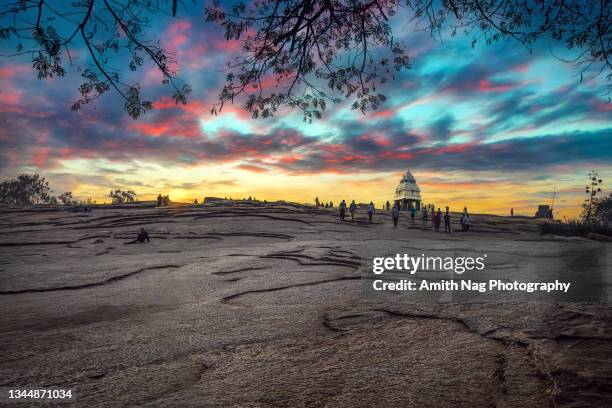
(317, 202)
(395, 215)
(433, 216)
(412, 213)
(437, 220)
(467, 221)
(462, 222)
(331, 204)
(425, 216)
(370, 211)
(388, 205)
(512, 212)
(465, 211)
(159, 200)
(447, 227)
(342, 208)
(352, 209)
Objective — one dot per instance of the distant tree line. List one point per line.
(28, 189)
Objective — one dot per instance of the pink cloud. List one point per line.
(231, 46)
(177, 126)
(486, 86)
(10, 71)
(251, 168)
(11, 102)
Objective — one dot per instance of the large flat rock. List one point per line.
(264, 305)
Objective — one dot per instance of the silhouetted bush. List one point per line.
(574, 228)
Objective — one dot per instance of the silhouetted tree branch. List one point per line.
(316, 50)
(107, 29)
(302, 54)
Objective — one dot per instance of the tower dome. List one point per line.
(408, 193)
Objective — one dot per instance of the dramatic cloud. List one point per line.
(459, 111)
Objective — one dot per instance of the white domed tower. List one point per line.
(407, 193)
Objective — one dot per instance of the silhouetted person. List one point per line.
(447, 227)
(331, 204)
(342, 208)
(425, 216)
(465, 210)
(195, 201)
(159, 200)
(512, 212)
(395, 215)
(352, 209)
(433, 217)
(388, 205)
(412, 213)
(317, 203)
(140, 238)
(467, 222)
(437, 220)
(370, 211)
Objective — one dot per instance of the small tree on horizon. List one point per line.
(122, 196)
(66, 198)
(591, 202)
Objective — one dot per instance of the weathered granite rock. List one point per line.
(263, 305)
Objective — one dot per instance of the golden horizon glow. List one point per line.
(456, 190)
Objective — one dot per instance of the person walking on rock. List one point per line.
(433, 216)
(370, 211)
(342, 208)
(447, 227)
(437, 220)
(352, 209)
(395, 215)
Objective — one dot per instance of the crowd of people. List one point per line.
(427, 212)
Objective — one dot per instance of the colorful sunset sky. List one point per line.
(491, 127)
